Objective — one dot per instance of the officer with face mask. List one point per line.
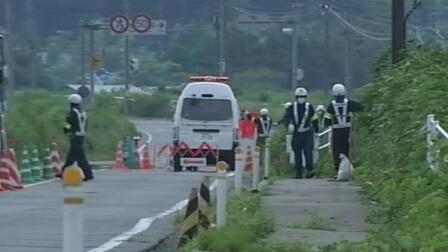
(264, 126)
(339, 117)
(75, 127)
(301, 115)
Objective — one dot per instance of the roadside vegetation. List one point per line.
(35, 117)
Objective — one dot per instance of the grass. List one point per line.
(246, 224)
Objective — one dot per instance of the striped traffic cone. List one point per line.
(10, 178)
(249, 161)
(55, 160)
(146, 163)
(25, 168)
(36, 168)
(119, 159)
(48, 168)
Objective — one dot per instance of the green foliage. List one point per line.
(156, 72)
(259, 78)
(35, 117)
(156, 105)
(412, 199)
(246, 224)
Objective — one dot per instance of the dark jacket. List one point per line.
(310, 122)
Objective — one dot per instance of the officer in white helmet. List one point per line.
(264, 125)
(75, 128)
(339, 117)
(320, 112)
(302, 116)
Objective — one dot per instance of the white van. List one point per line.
(206, 124)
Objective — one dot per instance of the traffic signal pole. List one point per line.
(398, 30)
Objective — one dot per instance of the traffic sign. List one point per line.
(97, 62)
(141, 23)
(158, 27)
(119, 24)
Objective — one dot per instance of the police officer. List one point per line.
(301, 115)
(339, 117)
(320, 112)
(264, 126)
(75, 127)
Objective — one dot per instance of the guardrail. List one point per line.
(433, 131)
(317, 145)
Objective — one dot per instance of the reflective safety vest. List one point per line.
(342, 119)
(265, 127)
(82, 120)
(301, 125)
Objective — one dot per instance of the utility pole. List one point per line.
(9, 49)
(83, 54)
(92, 67)
(348, 60)
(294, 60)
(398, 30)
(126, 55)
(221, 37)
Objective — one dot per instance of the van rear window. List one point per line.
(206, 109)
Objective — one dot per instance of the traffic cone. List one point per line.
(9, 166)
(249, 161)
(146, 163)
(119, 162)
(55, 160)
(25, 169)
(48, 168)
(36, 168)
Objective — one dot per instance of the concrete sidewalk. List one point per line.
(315, 212)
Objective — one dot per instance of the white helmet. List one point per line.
(320, 108)
(264, 111)
(75, 99)
(301, 92)
(287, 105)
(338, 89)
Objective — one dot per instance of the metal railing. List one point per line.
(317, 145)
(434, 131)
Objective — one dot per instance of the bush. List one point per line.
(154, 106)
(412, 200)
(36, 117)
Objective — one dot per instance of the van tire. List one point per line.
(176, 163)
(229, 157)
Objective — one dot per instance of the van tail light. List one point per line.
(175, 133)
(236, 135)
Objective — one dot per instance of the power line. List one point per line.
(367, 34)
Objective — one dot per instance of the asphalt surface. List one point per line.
(31, 219)
(161, 130)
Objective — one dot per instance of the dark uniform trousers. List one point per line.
(302, 142)
(341, 144)
(76, 154)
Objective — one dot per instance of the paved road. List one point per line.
(31, 219)
(302, 208)
(161, 130)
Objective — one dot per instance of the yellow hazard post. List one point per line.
(190, 225)
(73, 200)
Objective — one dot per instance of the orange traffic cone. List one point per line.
(249, 161)
(56, 160)
(146, 163)
(119, 162)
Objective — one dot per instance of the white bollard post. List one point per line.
(256, 171)
(73, 217)
(267, 157)
(221, 204)
(239, 166)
